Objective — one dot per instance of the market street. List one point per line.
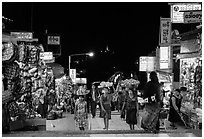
(118, 128)
(67, 123)
(101, 69)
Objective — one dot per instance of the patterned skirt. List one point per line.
(81, 120)
(150, 118)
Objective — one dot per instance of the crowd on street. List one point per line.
(125, 97)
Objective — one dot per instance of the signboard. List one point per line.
(143, 64)
(50, 60)
(53, 40)
(147, 63)
(177, 14)
(22, 35)
(193, 17)
(46, 55)
(164, 58)
(189, 46)
(72, 74)
(165, 30)
(81, 80)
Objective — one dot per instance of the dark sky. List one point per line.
(129, 29)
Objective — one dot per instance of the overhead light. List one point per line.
(91, 54)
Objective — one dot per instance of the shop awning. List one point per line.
(7, 38)
(189, 55)
(58, 70)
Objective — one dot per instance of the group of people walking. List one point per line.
(128, 105)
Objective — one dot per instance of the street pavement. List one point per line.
(65, 127)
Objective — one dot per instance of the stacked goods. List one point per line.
(105, 84)
(26, 80)
(12, 74)
(9, 52)
(81, 91)
(33, 56)
(7, 96)
(130, 83)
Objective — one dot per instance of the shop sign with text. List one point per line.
(165, 30)
(147, 63)
(81, 80)
(53, 40)
(193, 17)
(22, 35)
(164, 58)
(46, 55)
(72, 74)
(177, 11)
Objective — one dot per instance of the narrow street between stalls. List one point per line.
(65, 127)
(101, 69)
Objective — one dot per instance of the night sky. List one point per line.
(129, 29)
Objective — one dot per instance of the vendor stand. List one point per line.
(24, 83)
(191, 77)
(63, 92)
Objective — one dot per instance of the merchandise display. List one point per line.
(191, 78)
(26, 82)
(58, 102)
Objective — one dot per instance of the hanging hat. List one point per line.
(105, 84)
(81, 91)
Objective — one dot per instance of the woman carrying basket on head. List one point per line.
(105, 102)
(80, 111)
(132, 108)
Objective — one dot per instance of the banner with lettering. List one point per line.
(165, 30)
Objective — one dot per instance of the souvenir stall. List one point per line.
(63, 89)
(24, 83)
(191, 77)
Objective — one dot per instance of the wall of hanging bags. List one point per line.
(25, 78)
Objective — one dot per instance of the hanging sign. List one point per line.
(72, 74)
(22, 35)
(50, 60)
(53, 40)
(8, 51)
(81, 80)
(165, 30)
(46, 55)
(147, 63)
(177, 11)
(164, 58)
(193, 17)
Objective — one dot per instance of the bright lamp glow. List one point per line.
(91, 54)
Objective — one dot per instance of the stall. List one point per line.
(191, 77)
(25, 83)
(63, 92)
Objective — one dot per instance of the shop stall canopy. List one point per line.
(190, 44)
(58, 70)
